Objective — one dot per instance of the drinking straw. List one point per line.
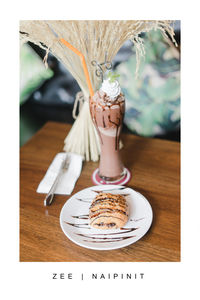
(67, 44)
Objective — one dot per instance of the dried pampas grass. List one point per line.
(93, 39)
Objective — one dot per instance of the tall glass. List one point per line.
(107, 116)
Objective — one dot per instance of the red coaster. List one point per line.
(122, 181)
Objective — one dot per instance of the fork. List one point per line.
(49, 197)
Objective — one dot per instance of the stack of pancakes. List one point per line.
(108, 211)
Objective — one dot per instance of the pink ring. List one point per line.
(122, 181)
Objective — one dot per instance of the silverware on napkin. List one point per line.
(64, 166)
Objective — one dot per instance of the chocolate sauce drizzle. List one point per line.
(81, 217)
(81, 225)
(104, 125)
(97, 128)
(111, 200)
(117, 128)
(137, 220)
(108, 240)
(108, 190)
(127, 230)
(103, 191)
(107, 101)
(83, 200)
(102, 237)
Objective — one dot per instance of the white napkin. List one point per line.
(68, 178)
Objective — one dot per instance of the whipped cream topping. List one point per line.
(112, 89)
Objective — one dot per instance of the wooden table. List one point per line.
(155, 168)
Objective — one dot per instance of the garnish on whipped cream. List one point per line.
(112, 89)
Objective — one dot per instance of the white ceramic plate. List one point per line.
(75, 224)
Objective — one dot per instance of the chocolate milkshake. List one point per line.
(107, 110)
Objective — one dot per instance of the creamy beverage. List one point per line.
(107, 108)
